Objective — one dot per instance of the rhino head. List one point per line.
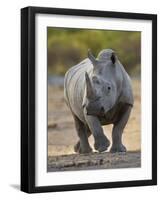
(102, 83)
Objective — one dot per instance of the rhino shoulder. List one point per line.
(75, 73)
(76, 68)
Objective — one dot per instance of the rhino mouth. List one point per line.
(100, 112)
(96, 114)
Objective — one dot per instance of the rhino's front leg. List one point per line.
(101, 142)
(83, 145)
(118, 128)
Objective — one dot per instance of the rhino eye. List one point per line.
(109, 88)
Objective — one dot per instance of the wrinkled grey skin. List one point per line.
(98, 92)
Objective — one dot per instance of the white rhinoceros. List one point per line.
(99, 92)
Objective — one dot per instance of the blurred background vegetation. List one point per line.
(67, 47)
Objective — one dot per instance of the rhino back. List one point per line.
(74, 87)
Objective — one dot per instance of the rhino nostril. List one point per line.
(102, 109)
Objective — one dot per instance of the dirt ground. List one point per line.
(62, 137)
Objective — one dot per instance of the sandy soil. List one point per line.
(62, 137)
(95, 160)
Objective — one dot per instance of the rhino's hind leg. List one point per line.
(82, 145)
(117, 131)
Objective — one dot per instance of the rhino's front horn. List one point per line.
(91, 57)
(89, 89)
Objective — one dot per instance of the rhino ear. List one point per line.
(89, 89)
(113, 58)
(91, 57)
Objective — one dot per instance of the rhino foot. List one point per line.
(82, 150)
(102, 144)
(118, 148)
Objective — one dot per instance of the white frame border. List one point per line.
(91, 176)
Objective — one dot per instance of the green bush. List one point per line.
(67, 47)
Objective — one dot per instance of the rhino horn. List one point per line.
(89, 89)
(91, 57)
